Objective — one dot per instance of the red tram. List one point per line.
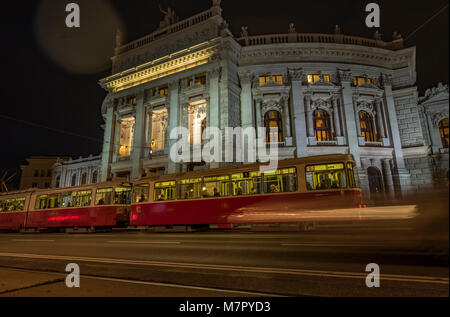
(300, 190)
(91, 206)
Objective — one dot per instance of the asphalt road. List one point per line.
(326, 262)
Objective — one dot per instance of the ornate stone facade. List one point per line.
(329, 93)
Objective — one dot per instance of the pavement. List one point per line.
(326, 262)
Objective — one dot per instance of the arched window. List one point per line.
(444, 130)
(84, 179)
(58, 181)
(367, 127)
(74, 180)
(272, 119)
(95, 177)
(322, 126)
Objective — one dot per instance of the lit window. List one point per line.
(131, 101)
(196, 123)
(444, 131)
(82, 198)
(367, 127)
(264, 80)
(159, 123)
(140, 193)
(273, 120)
(126, 137)
(103, 197)
(277, 79)
(214, 187)
(359, 80)
(326, 177)
(322, 126)
(190, 188)
(122, 195)
(164, 91)
(281, 181)
(314, 78)
(164, 191)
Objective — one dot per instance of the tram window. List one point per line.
(20, 204)
(325, 177)
(41, 202)
(164, 191)
(353, 180)
(281, 181)
(82, 198)
(122, 196)
(248, 183)
(2, 205)
(54, 201)
(140, 193)
(215, 187)
(190, 188)
(103, 196)
(67, 199)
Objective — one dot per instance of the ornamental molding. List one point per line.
(436, 118)
(382, 57)
(271, 105)
(296, 74)
(434, 92)
(367, 106)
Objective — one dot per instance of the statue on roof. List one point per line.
(169, 17)
(216, 3)
(337, 29)
(396, 36)
(377, 36)
(292, 28)
(244, 31)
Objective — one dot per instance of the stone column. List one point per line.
(258, 110)
(388, 180)
(349, 111)
(139, 137)
(402, 177)
(287, 118)
(380, 119)
(247, 113)
(214, 104)
(336, 117)
(108, 142)
(174, 120)
(310, 117)
(298, 110)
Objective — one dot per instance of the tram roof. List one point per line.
(333, 158)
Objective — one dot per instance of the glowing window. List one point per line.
(273, 120)
(103, 196)
(280, 181)
(164, 191)
(140, 193)
(190, 188)
(444, 131)
(367, 127)
(326, 177)
(215, 187)
(322, 126)
(122, 195)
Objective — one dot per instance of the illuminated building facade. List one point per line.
(327, 94)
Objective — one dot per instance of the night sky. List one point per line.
(50, 73)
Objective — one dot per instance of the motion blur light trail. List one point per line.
(84, 50)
